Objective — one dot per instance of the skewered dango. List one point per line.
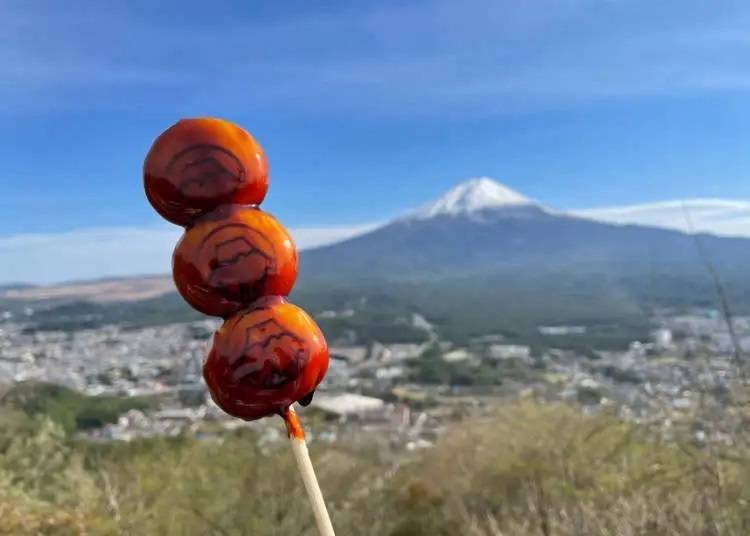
(237, 262)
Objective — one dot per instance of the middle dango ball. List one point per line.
(230, 257)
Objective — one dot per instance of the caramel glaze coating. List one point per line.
(231, 257)
(198, 164)
(264, 359)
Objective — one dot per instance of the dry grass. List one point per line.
(530, 469)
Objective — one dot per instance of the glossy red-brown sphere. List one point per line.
(231, 257)
(198, 164)
(264, 359)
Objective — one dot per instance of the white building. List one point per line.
(508, 351)
(348, 404)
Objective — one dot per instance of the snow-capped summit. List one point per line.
(471, 197)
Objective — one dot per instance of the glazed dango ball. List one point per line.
(265, 358)
(231, 257)
(199, 164)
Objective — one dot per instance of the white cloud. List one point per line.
(716, 216)
(110, 252)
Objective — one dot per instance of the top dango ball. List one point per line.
(199, 164)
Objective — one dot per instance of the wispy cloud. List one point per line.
(108, 252)
(716, 216)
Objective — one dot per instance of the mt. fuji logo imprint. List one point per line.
(271, 357)
(206, 171)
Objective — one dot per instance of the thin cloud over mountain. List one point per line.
(716, 216)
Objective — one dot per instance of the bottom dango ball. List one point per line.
(264, 359)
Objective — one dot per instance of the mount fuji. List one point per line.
(483, 251)
(481, 225)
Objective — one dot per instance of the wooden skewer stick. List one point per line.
(301, 454)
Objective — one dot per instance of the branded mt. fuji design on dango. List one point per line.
(231, 257)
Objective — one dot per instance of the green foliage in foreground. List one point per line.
(70, 409)
(531, 469)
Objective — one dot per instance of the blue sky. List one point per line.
(366, 109)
